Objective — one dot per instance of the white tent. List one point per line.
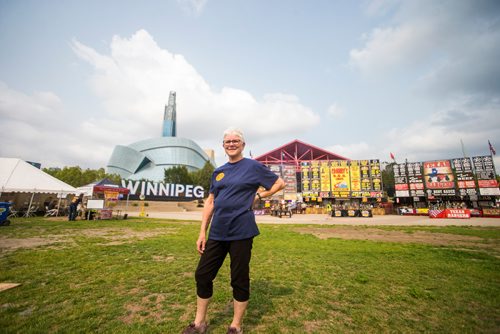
(18, 176)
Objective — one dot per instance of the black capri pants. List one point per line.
(211, 260)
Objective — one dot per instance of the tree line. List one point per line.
(77, 177)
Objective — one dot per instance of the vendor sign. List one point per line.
(355, 176)
(340, 175)
(450, 213)
(401, 180)
(486, 179)
(325, 178)
(305, 178)
(494, 212)
(111, 195)
(415, 179)
(375, 175)
(290, 178)
(366, 182)
(438, 178)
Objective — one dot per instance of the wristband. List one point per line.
(258, 195)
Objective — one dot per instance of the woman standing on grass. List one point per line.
(73, 207)
(229, 211)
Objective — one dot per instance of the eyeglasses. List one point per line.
(231, 142)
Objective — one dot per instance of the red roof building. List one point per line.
(296, 152)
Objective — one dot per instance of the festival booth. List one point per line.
(102, 197)
(29, 188)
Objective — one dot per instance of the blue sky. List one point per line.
(358, 78)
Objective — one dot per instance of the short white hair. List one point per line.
(235, 132)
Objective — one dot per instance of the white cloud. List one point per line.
(429, 33)
(133, 84)
(393, 46)
(192, 7)
(335, 112)
(354, 151)
(448, 54)
(38, 128)
(440, 136)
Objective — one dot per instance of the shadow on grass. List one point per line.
(264, 294)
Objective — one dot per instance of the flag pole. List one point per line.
(463, 148)
(492, 149)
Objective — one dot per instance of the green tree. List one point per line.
(203, 176)
(181, 175)
(77, 177)
(178, 175)
(388, 179)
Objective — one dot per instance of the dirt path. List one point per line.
(421, 237)
(326, 220)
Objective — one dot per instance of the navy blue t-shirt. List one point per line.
(234, 186)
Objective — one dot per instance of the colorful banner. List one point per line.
(376, 175)
(325, 179)
(464, 177)
(438, 178)
(355, 175)
(276, 169)
(315, 178)
(290, 178)
(305, 178)
(450, 213)
(111, 195)
(366, 182)
(486, 178)
(339, 173)
(415, 179)
(401, 180)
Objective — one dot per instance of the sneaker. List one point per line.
(193, 329)
(232, 330)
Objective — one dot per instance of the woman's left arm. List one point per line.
(277, 186)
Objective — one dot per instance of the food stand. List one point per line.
(109, 193)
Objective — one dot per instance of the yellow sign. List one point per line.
(355, 176)
(339, 171)
(325, 176)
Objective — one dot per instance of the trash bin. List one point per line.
(4, 213)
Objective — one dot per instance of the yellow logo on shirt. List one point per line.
(219, 177)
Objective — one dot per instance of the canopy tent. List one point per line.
(102, 186)
(105, 186)
(18, 176)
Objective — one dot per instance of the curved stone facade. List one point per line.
(148, 159)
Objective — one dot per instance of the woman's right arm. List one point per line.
(206, 218)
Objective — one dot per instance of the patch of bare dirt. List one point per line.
(150, 308)
(14, 243)
(373, 234)
(113, 236)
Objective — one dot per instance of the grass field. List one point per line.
(136, 276)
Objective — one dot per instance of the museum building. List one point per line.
(147, 159)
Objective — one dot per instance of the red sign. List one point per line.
(450, 213)
(487, 183)
(401, 186)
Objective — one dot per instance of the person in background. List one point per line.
(74, 206)
(228, 211)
